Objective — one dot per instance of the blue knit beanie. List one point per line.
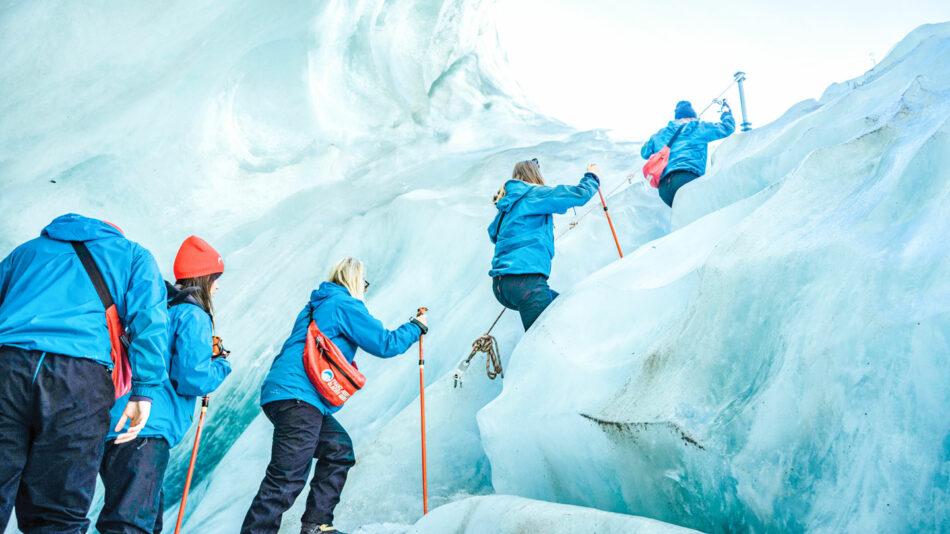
(684, 110)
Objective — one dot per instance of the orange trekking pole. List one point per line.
(604, 204)
(191, 466)
(422, 409)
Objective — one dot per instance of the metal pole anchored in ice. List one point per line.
(746, 125)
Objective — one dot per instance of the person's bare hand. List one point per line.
(136, 413)
(593, 168)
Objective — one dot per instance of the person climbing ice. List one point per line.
(132, 472)
(689, 137)
(523, 235)
(60, 297)
(301, 406)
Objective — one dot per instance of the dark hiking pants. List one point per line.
(528, 294)
(301, 433)
(671, 183)
(132, 474)
(54, 417)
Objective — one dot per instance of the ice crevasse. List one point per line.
(777, 362)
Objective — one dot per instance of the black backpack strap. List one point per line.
(502, 218)
(94, 273)
(677, 134)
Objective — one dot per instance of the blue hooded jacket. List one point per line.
(525, 242)
(688, 152)
(48, 302)
(349, 325)
(191, 371)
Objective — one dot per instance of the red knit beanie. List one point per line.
(197, 258)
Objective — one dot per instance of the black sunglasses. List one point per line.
(535, 160)
(365, 285)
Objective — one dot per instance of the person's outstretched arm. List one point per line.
(368, 332)
(711, 131)
(543, 199)
(193, 372)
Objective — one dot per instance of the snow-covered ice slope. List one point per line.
(288, 136)
(506, 514)
(780, 362)
(726, 368)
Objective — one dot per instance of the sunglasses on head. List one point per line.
(535, 160)
(365, 285)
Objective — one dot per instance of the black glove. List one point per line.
(417, 322)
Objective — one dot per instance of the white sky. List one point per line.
(623, 65)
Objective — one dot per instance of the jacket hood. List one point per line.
(514, 190)
(676, 123)
(177, 295)
(75, 227)
(325, 291)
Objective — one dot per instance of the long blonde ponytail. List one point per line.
(525, 171)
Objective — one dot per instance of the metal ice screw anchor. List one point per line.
(746, 125)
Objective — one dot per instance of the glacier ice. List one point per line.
(507, 514)
(776, 363)
(779, 362)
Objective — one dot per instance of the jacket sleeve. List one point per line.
(145, 320)
(6, 267)
(369, 334)
(649, 148)
(192, 371)
(542, 200)
(711, 131)
(493, 227)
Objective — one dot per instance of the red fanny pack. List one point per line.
(121, 369)
(335, 379)
(654, 167)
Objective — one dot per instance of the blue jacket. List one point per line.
(191, 371)
(348, 324)
(525, 242)
(688, 152)
(48, 302)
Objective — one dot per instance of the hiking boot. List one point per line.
(313, 528)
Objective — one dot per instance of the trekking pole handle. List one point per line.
(422, 326)
(420, 311)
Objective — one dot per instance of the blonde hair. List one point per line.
(525, 171)
(351, 274)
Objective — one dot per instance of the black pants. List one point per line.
(132, 474)
(529, 294)
(54, 417)
(301, 433)
(671, 183)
